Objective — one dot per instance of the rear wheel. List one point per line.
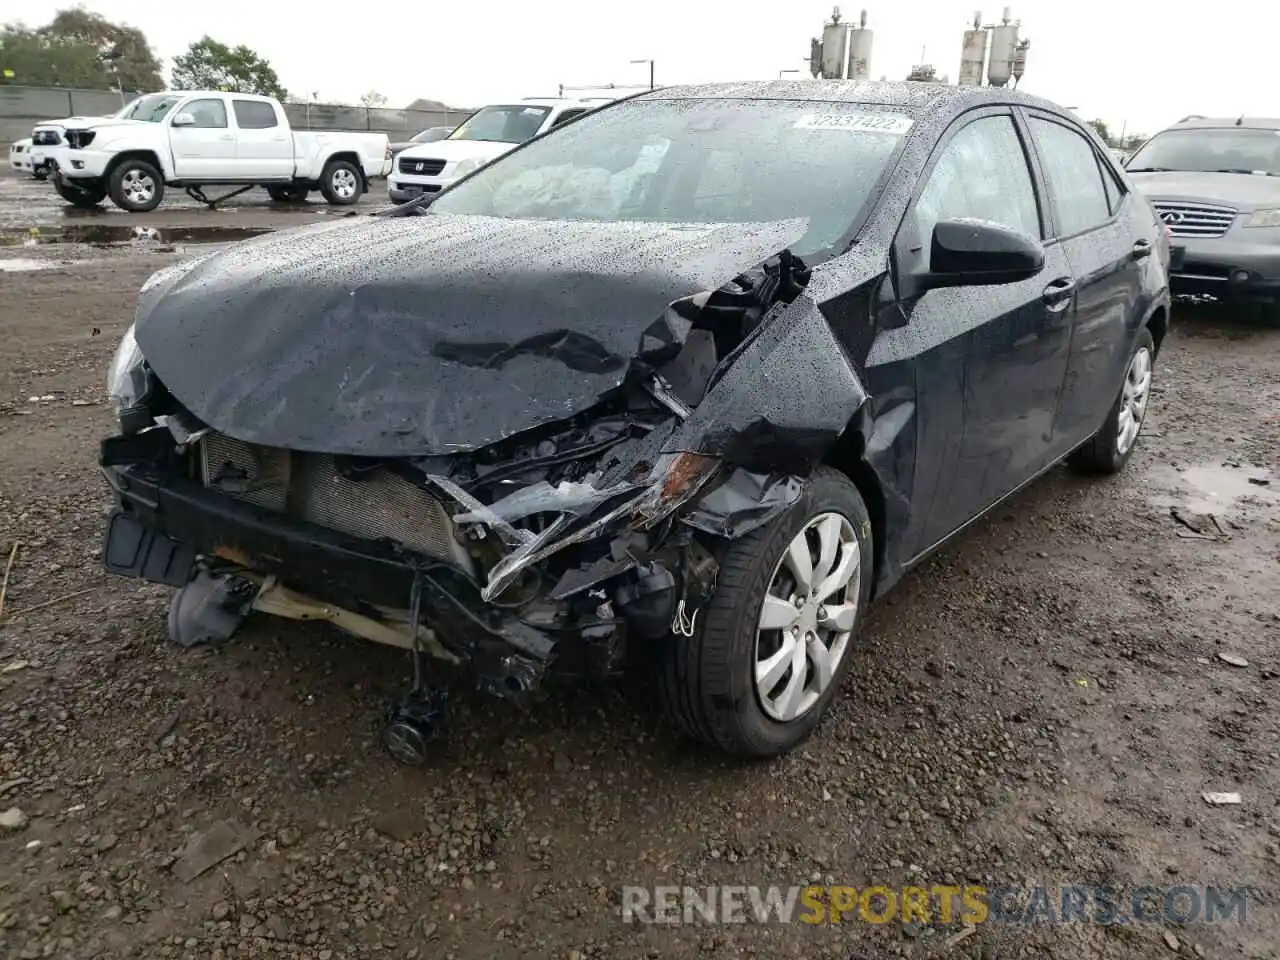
(288, 193)
(1110, 448)
(136, 186)
(341, 183)
(775, 640)
(83, 197)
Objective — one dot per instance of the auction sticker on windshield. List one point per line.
(856, 122)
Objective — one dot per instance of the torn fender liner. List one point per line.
(405, 336)
(784, 400)
(744, 502)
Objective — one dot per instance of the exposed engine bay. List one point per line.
(561, 543)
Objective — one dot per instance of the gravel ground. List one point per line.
(1043, 702)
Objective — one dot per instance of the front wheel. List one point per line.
(341, 183)
(1108, 450)
(136, 186)
(86, 198)
(777, 636)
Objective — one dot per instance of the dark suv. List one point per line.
(683, 384)
(1216, 184)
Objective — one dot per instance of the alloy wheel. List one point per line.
(1133, 400)
(807, 617)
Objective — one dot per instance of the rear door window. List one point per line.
(254, 114)
(1075, 178)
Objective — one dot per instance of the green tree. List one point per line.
(78, 49)
(210, 65)
(1100, 127)
(373, 99)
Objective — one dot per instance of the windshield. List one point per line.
(1231, 150)
(151, 108)
(696, 161)
(513, 124)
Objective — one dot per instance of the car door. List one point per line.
(1095, 224)
(204, 149)
(264, 146)
(990, 359)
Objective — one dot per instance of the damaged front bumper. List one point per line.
(620, 563)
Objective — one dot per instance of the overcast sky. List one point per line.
(1142, 64)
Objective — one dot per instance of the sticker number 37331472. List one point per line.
(855, 122)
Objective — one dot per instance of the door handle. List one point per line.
(1058, 293)
(226, 136)
(1141, 248)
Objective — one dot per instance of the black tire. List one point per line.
(85, 199)
(335, 179)
(708, 680)
(288, 193)
(127, 186)
(1101, 454)
(41, 174)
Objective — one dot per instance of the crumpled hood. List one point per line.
(1243, 191)
(423, 335)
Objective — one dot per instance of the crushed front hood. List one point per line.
(414, 336)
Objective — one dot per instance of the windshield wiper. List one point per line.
(1148, 170)
(1252, 173)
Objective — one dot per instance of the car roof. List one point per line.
(1210, 123)
(910, 95)
(555, 102)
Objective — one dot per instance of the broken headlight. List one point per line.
(672, 481)
(128, 383)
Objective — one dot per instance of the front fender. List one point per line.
(785, 400)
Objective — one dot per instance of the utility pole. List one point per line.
(650, 63)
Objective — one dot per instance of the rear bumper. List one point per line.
(1227, 269)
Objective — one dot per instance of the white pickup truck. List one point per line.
(197, 139)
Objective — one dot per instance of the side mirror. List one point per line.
(184, 120)
(967, 253)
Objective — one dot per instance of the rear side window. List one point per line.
(254, 114)
(1072, 168)
(981, 173)
(1111, 184)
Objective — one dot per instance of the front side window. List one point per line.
(567, 116)
(208, 114)
(1223, 150)
(511, 124)
(981, 174)
(698, 161)
(1080, 198)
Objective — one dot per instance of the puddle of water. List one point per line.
(100, 234)
(1209, 488)
(22, 265)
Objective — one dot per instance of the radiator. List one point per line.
(379, 505)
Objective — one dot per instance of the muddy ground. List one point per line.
(1043, 702)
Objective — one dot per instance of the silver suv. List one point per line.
(1216, 184)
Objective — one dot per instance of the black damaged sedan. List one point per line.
(680, 386)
